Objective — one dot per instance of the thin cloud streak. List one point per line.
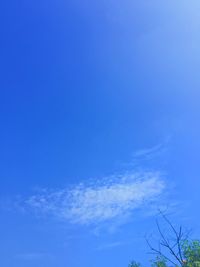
(31, 256)
(102, 200)
(110, 245)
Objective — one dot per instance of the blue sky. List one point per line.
(99, 116)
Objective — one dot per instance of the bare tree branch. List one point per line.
(170, 248)
(158, 252)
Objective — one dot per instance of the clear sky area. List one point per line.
(99, 128)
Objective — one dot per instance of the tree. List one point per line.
(159, 262)
(191, 252)
(174, 249)
(134, 264)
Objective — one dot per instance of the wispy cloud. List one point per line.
(31, 256)
(101, 200)
(110, 245)
(149, 153)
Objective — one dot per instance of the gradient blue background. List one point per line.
(83, 86)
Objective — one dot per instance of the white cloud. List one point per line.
(101, 200)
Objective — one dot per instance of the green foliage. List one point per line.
(191, 253)
(159, 262)
(134, 264)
